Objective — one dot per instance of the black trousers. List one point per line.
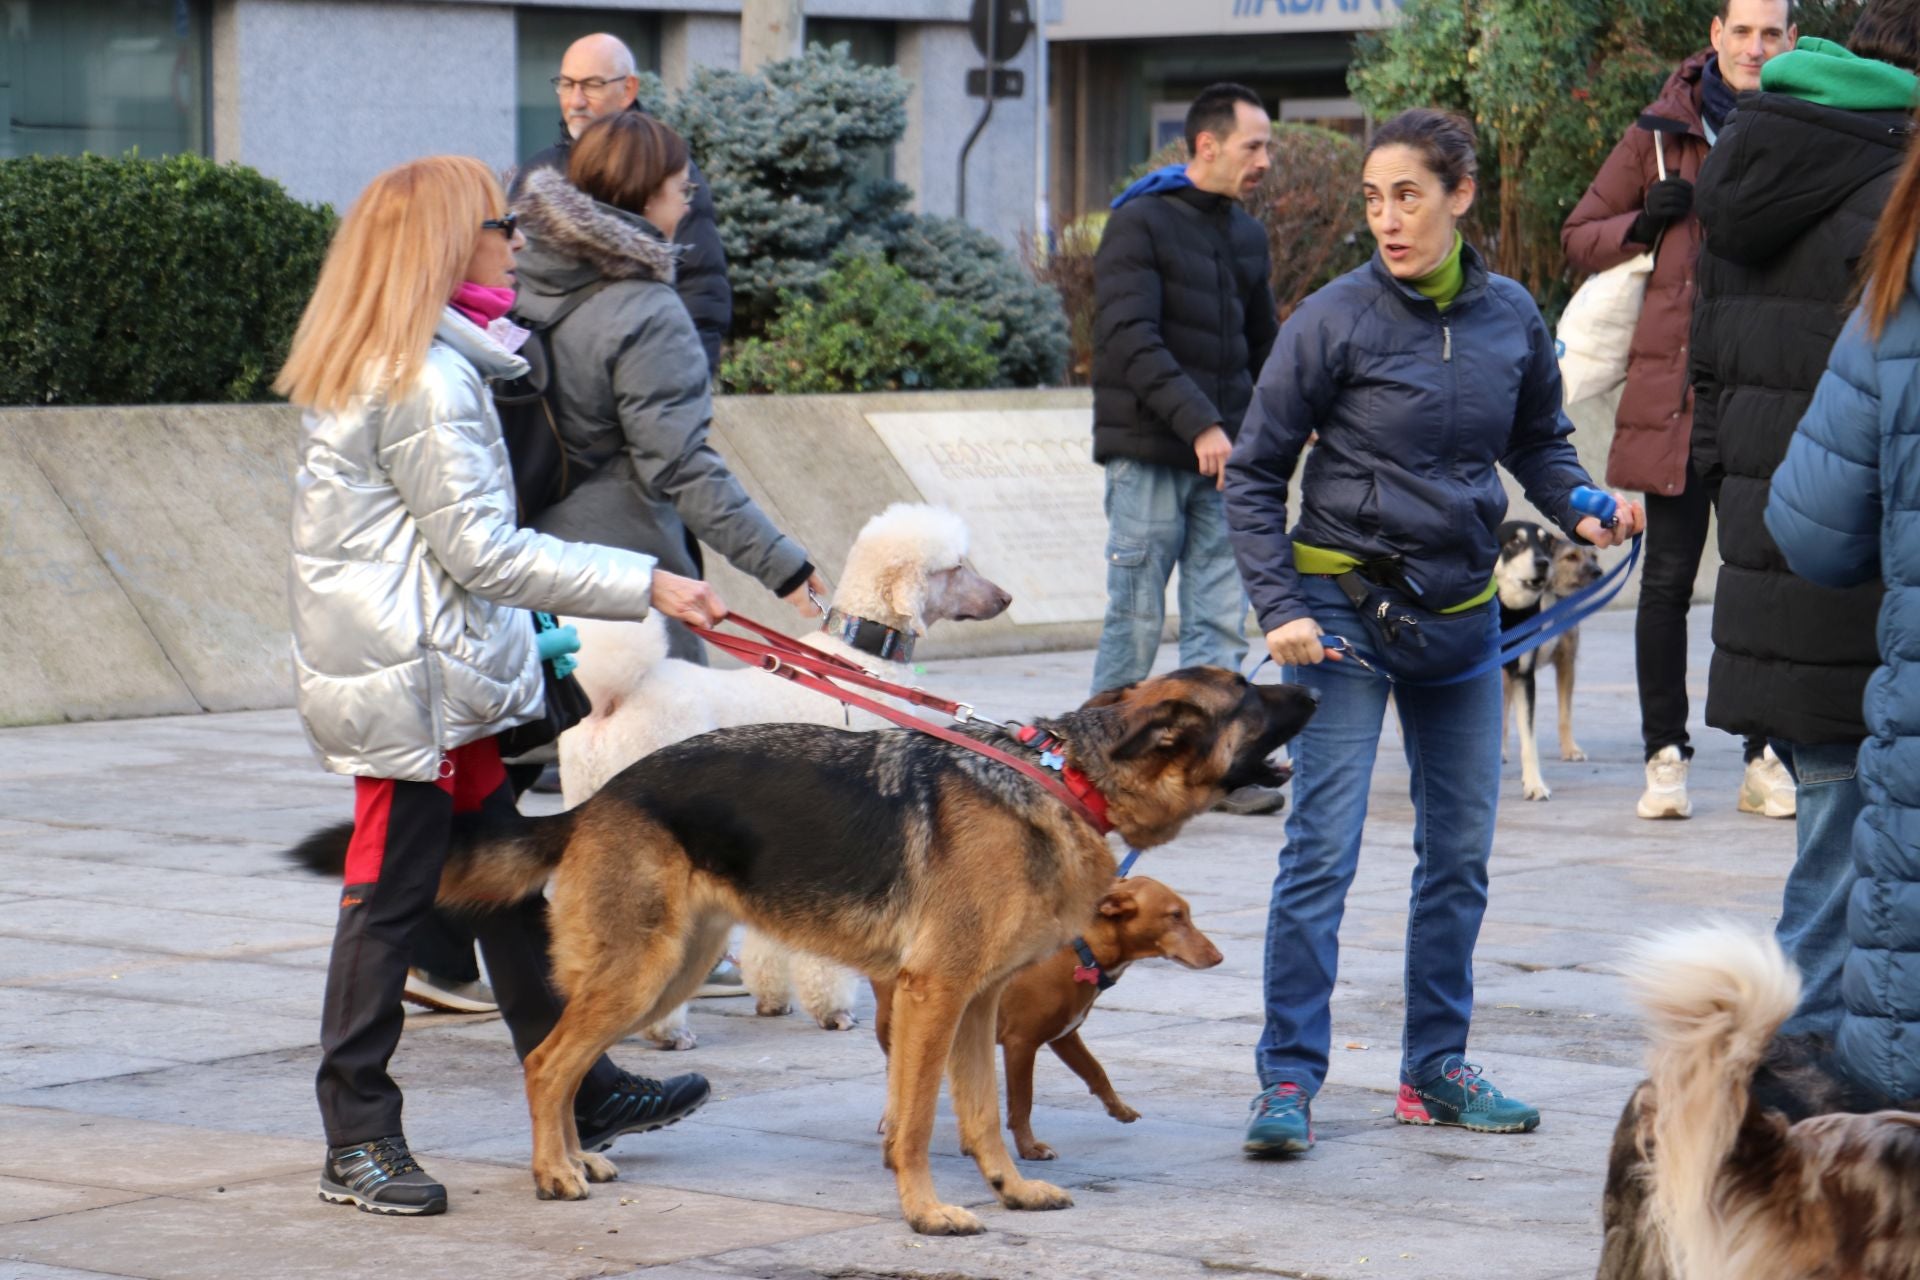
(1676, 538)
(443, 944)
(362, 1019)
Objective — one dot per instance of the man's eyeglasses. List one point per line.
(593, 86)
(505, 226)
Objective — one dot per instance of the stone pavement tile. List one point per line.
(239, 986)
(26, 1067)
(1005, 1252)
(24, 1199)
(283, 895)
(149, 928)
(181, 1032)
(92, 1150)
(106, 844)
(14, 1269)
(26, 962)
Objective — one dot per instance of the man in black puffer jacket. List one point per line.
(1183, 319)
(1788, 198)
(597, 79)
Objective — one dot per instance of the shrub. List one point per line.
(1063, 261)
(785, 151)
(964, 264)
(136, 281)
(867, 326)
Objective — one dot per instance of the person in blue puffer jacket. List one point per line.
(1420, 372)
(1845, 510)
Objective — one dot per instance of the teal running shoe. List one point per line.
(1280, 1125)
(1459, 1095)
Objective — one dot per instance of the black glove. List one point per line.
(1668, 201)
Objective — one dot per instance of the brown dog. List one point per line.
(914, 860)
(1045, 1003)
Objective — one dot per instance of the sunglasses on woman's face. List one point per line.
(505, 226)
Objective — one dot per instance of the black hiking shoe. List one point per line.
(380, 1177)
(638, 1105)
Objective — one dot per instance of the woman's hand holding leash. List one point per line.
(806, 599)
(687, 600)
(1296, 643)
(1613, 520)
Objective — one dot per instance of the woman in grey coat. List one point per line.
(412, 641)
(631, 379)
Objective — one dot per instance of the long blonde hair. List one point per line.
(394, 262)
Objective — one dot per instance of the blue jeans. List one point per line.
(1158, 517)
(1813, 910)
(1452, 738)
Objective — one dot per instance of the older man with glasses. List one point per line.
(596, 80)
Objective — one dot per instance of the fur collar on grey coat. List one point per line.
(566, 227)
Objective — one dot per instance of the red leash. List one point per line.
(810, 668)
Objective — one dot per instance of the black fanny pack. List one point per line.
(1411, 641)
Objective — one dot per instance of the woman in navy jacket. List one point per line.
(1419, 372)
(1845, 510)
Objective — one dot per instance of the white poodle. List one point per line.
(905, 572)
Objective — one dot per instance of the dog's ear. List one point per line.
(1118, 903)
(1172, 723)
(903, 585)
(1108, 697)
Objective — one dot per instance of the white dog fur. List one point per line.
(906, 569)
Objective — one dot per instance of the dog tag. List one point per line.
(1087, 974)
(1052, 760)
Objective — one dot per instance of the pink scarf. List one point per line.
(487, 306)
(480, 303)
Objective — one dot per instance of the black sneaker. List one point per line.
(639, 1104)
(380, 1177)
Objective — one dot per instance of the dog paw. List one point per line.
(1122, 1112)
(1031, 1193)
(1035, 1150)
(598, 1167)
(1573, 752)
(560, 1184)
(674, 1043)
(945, 1220)
(837, 1021)
(1535, 791)
(772, 1008)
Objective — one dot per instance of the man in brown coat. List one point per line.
(1631, 209)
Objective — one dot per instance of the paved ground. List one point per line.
(160, 978)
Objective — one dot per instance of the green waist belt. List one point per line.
(1324, 560)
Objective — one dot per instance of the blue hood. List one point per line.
(1167, 178)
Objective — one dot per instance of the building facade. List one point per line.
(1121, 73)
(324, 94)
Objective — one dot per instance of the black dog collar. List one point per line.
(868, 636)
(1089, 970)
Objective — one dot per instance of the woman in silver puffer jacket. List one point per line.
(413, 645)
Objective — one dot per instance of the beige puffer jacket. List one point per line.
(411, 582)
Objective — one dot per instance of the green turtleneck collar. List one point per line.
(1443, 284)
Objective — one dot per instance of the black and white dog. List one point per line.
(1535, 569)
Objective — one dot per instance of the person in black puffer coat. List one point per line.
(1183, 319)
(701, 268)
(1789, 198)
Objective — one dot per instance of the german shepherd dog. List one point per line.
(1747, 1155)
(916, 861)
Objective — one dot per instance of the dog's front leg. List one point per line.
(1532, 785)
(1073, 1051)
(1563, 656)
(925, 1011)
(976, 1103)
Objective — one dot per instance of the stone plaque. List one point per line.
(1025, 482)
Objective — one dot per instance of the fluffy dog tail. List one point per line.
(491, 861)
(1713, 996)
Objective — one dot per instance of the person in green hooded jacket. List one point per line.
(1789, 197)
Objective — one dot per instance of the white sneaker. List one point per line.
(1768, 788)
(446, 995)
(1666, 795)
